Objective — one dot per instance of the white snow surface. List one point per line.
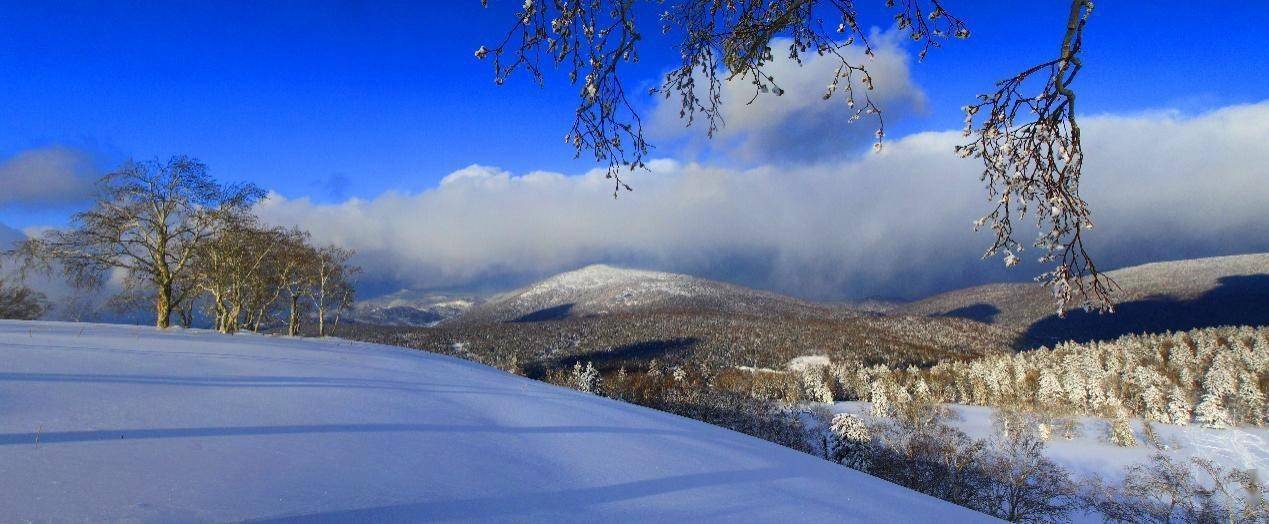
(126, 423)
(1092, 452)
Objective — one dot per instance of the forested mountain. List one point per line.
(1158, 297)
(606, 290)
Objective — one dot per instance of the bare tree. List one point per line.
(295, 264)
(1029, 145)
(148, 220)
(230, 268)
(1025, 485)
(330, 284)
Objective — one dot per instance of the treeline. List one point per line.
(1215, 377)
(191, 248)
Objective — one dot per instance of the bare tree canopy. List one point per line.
(148, 221)
(1029, 143)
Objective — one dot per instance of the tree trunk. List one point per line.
(293, 323)
(163, 305)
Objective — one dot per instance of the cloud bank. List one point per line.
(46, 176)
(897, 224)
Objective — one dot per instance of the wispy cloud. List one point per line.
(800, 126)
(1162, 185)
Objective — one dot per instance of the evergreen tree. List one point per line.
(1211, 412)
(851, 442)
(1179, 407)
(1121, 431)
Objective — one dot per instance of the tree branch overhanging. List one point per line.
(1029, 166)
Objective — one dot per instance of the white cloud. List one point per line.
(51, 175)
(1162, 185)
(801, 126)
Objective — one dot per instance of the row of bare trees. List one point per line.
(190, 246)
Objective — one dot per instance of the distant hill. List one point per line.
(713, 340)
(617, 317)
(410, 308)
(605, 290)
(1178, 295)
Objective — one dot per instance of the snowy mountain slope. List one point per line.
(124, 423)
(1176, 295)
(600, 290)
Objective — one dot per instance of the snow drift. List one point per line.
(124, 423)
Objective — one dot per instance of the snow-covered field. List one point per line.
(125, 423)
(1093, 453)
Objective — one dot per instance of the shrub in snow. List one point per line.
(851, 441)
(1121, 431)
(1163, 491)
(1022, 484)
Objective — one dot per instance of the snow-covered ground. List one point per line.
(1093, 453)
(125, 423)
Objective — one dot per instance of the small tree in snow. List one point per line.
(586, 379)
(851, 443)
(1121, 431)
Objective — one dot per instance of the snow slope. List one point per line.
(124, 423)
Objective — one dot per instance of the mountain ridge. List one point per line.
(601, 289)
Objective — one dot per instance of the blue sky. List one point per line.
(332, 100)
(295, 95)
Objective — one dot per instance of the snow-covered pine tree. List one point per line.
(1121, 430)
(814, 387)
(1180, 410)
(1050, 394)
(1219, 379)
(587, 379)
(1211, 412)
(1251, 400)
(878, 395)
(851, 441)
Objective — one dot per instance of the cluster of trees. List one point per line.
(1216, 377)
(1009, 476)
(1213, 376)
(688, 390)
(912, 441)
(191, 247)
